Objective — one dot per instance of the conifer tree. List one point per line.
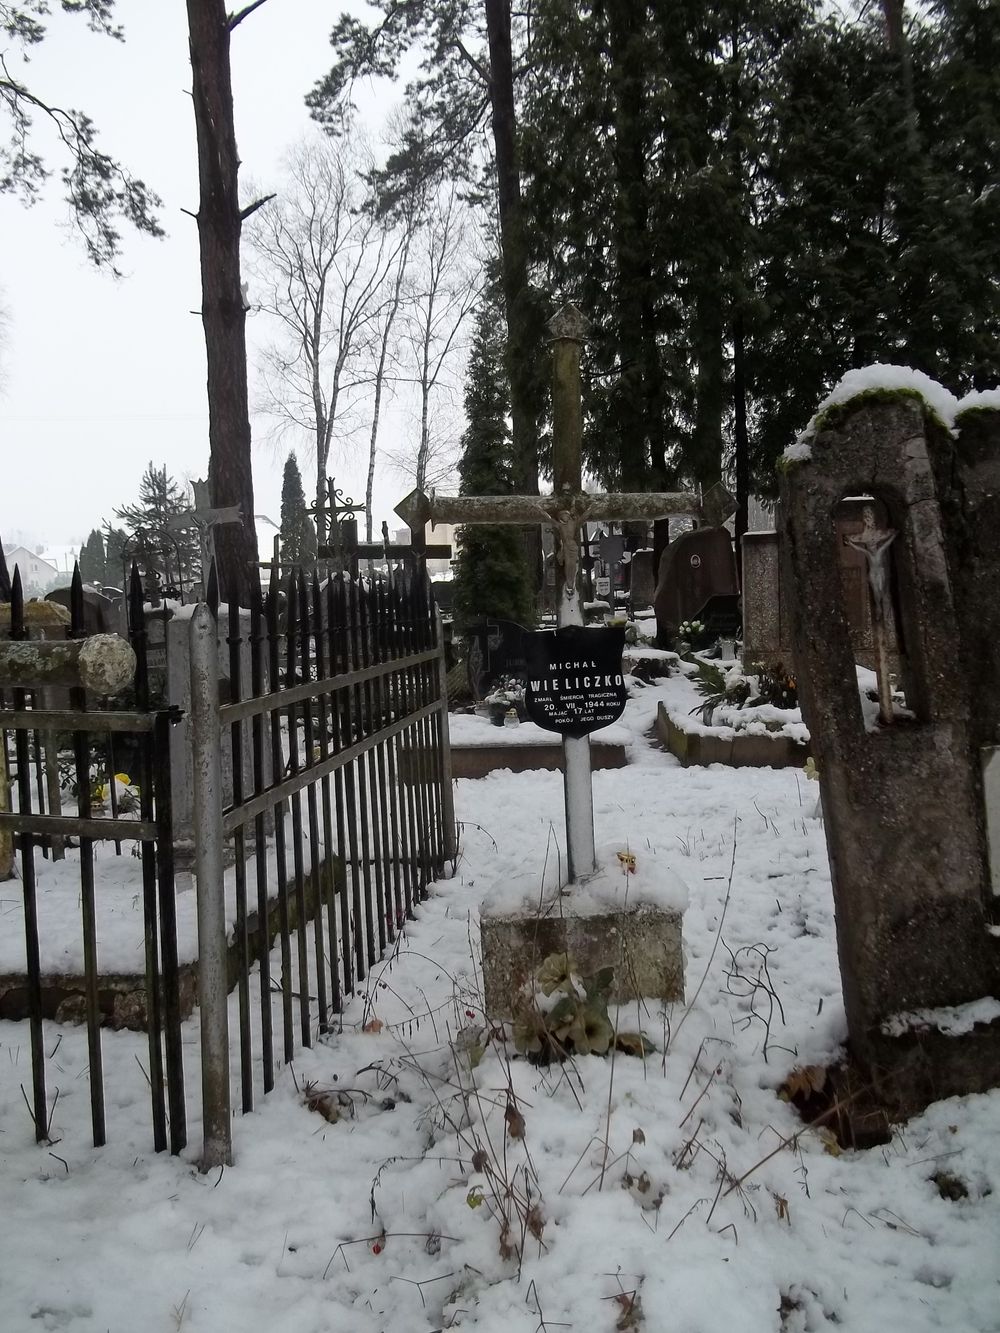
(172, 552)
(805, 196)
(115, 573)
(491, 572)
(298, 536)
(92, 558)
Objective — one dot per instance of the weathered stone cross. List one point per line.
(567, 509)
(204, 518)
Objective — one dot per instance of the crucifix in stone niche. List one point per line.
(567, 510)
(874, 542)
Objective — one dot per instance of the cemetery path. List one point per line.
(680, 1187)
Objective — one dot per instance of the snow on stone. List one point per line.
(799, 451)
(641, 876)
(878, 376)
(950, 1020)
(981, 398)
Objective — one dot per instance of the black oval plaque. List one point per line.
(574, 678)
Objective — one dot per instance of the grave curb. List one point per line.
(741, 751)
(122, 995)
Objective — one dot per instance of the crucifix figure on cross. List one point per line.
(567, 510)
(873, 543)
(205, 519)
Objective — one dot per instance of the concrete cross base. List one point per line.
(642, 944)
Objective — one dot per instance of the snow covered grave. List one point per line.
(906, 820)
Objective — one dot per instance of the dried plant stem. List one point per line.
(718, 935)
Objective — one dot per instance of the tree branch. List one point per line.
(257, 203)
(471, 60)
(234, 20)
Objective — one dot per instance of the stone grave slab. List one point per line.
(643, 583)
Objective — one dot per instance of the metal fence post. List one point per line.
(450, 830)
(213, 982)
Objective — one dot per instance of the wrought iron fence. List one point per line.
(334, 741)
(51, 753)
(323, 808)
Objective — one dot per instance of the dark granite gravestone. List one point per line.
(642, 585)
(574, 679)
(696, 568)
(906, 818)
(444, 594)
(496, 651)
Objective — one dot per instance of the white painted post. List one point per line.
(213, 981)
(568, 329)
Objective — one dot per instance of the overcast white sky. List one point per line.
(102, 376)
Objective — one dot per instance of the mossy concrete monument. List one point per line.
(907, 795)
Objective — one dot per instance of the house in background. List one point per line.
(37, 573)
(63, 557)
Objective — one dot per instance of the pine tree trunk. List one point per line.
(223, 316)
(521, 344)
(741, 442)
(639, 397)
(709, 353)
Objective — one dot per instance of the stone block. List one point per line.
(767, 633)
(642, 943)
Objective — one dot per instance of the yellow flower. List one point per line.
(810, 770)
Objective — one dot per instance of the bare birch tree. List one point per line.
(446, 278)
(383, 353)
(322, 263)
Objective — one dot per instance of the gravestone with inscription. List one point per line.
(697, 576)
(496, 653)
(650, 939)
(574, 683)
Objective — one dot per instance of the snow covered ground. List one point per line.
(674, 1195)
